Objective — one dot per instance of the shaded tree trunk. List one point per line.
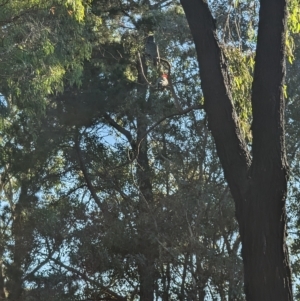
(2, 283)
(146, 226)
(15, 272)
(147, 273)
(258, 184)
(202, 279)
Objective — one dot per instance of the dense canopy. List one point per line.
(116, 185)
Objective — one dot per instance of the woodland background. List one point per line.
(112, 189)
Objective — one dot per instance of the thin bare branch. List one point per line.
(120, 129)
(101, 205)
(88, 279)
(143, 73)
(41, 264)
(152, 127)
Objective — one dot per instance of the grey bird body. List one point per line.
(151, 50)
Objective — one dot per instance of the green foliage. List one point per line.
(241, 66)
(293, 27)
(76, 110)
(46, 45)
(294, 16)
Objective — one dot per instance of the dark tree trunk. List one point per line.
(146, 226)
(147, 273)
(2, 283)
(258, 187)
(15, 283)
(264, 248)
(202, 279)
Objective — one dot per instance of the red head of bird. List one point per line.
(162, 82)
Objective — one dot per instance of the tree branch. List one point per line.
(102, 206)
(161, 4)
(120, 129)
(86, 278)
(182, 112)
(38, 267)
(143, 73)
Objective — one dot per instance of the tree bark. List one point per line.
(265, 235)
(145, 228)
(259, 186)
(15, 283)
(2, 283)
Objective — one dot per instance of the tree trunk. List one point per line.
(264, 236)
(2, 283)
(15, 273)
(258, 187)
(146, 226)
(147, 273)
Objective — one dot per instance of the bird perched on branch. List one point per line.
(151, 50)
(162, 82)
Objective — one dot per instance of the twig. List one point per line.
(143, 73)
(38, 266)
(102, 206)
(136, 144)
(120, 129)
(86, 278)
(128, 15)
(161, 4)
(194, 107)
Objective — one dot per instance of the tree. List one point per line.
(115, 190)
(257, 180)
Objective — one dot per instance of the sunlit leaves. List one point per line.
(294, 16)
(241, 66)
(293, 27)
(46, 45)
